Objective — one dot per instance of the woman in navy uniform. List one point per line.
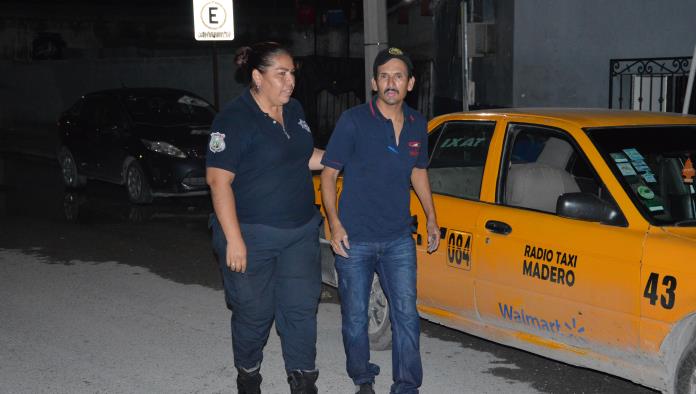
(266, 226)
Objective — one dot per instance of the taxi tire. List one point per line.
(686, 372)
(138, 187)
(68, 168)
(379, 325)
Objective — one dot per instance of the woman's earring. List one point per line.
(257, 87)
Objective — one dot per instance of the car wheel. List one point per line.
(138, 187)
(68, 169)
(379, 328)
(686, 372)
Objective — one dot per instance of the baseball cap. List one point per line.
(387, 54)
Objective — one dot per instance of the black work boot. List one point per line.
(365, 388)
(302, 382)
(249, 382)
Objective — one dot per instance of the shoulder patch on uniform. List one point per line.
(217, 142)
(304, 125)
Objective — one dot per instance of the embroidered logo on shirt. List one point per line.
(304, 125)
(414, 148)
(217, 142)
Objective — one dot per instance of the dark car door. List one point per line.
(77, 136)
(105, 136)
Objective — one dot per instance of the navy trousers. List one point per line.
(282, 283)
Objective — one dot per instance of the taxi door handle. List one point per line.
(414, 224)
(498, 227)
(414, 229)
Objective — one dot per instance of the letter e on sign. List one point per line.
(213, 20)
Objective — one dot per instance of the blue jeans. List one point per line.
(282, 283)
(395, 262)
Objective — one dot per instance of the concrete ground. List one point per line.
(106, 327)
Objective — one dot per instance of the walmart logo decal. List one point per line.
(551, 325)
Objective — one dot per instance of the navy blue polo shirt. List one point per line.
(375, 200)
(273, 183)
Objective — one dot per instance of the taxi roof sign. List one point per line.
(213, 20)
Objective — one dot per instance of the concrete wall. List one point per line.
(493, 74)
(562, 48)
(36, 93)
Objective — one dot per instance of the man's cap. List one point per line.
(387, 54)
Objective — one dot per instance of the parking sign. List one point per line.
(213, 20)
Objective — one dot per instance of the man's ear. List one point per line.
(374, 84)
(411, 83)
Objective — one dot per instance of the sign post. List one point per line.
(213, 20)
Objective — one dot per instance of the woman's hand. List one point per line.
(315, 160)
(236, 254)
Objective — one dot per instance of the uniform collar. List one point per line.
(374, 110)
(249, 100)
(254, 106)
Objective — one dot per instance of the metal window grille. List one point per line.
(649, 84)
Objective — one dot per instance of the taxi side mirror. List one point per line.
(587, 206)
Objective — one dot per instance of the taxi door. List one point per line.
(558, 279)
(445, 278)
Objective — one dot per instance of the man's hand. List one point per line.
(339, 241)
(433, 235)
(236, 255)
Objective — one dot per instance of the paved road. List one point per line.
(102, 296)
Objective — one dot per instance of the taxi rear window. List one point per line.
(655, 165)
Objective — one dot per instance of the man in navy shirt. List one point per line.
(381, 147)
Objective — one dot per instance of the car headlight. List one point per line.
(164, 148)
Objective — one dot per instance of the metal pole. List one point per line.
(690, 84)
(611, 84)
(216, 90)
(465, 58)
(375, 36)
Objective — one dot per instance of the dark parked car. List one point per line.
(152, 140)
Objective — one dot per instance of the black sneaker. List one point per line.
(365, 388)
(303, 382)
(249, 382)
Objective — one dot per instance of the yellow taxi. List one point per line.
(569, 233)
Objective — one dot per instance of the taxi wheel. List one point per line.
(138, 187)
(379, 328)
(686, 373)
(68, 169)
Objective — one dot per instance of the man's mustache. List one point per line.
(390, 90)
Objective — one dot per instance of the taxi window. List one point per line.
(542, 164)
(459, 151)
(655, 166)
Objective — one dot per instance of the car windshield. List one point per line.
(655, 164)
(169, 109)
